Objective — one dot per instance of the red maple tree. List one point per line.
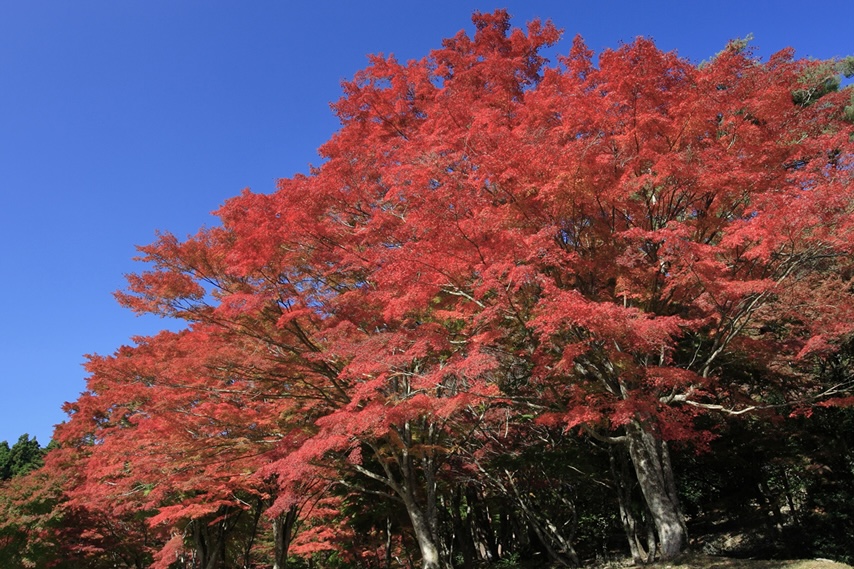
(619, 246)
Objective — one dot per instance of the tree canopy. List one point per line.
(598, 260)
(24, 456)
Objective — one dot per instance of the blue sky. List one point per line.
(121, 118)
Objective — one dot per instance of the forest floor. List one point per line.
(708, 562)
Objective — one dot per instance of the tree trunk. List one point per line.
(430, 558)
(424, 520)
(651, 462)
(429, 467)
(388, 535)
(462, 528)
(624, 482)
(209, 545)
(250, 542)
(483, 532)
(282, 533)
(558, 547)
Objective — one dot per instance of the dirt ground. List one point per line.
(706, 562)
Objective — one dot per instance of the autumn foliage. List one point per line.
(498, 253)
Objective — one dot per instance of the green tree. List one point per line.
(4, 460)
(24, 456)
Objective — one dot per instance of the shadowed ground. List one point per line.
(706, 562)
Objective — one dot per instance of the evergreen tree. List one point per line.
(24, 456)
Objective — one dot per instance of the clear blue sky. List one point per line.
(121, 118)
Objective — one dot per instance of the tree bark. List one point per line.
(624, 482)
(424, 515)
(559, 548)
(651, 462)
(430, 558)
(483, 532)
(283, 527)
(462, 528)
(250, 542)
(209, 544)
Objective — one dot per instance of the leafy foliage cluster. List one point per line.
(24, 456)
(521, 313)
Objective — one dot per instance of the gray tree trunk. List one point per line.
(624, 483)
(651, 462)
(430, 558)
